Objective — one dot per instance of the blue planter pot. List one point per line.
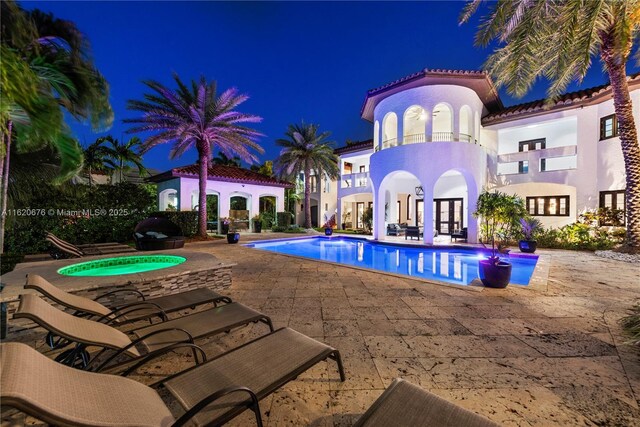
(494, 275)
(328, 231)
(233, 237)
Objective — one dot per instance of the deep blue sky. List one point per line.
(296, 60)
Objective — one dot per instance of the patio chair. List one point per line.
(126, 313)
(80, 251)
(153, 340)
(413, 231)
(406, 405)
(210, 394)
(459, 234)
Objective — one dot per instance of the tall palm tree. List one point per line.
(120, 156)
(197, 117)
(96, 159)
(222, 159)
(46, 68)
(558, 40)
(303, 151)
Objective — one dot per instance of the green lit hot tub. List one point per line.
(122, 265)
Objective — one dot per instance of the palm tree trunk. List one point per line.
(307, 196)
(205, 154)
(628, 139)
(5, 187)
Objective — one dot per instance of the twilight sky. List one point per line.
(311, 61)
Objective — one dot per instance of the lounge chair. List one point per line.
(405, 405)
(155, 340)
(211, 393)
(80, 251)
(129, 312)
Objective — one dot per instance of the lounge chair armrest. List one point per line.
(117, 291)
(116, 314)
(255, 406)
(155, 354)
(121, 351)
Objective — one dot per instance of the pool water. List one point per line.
(122, 265)
(451, 265)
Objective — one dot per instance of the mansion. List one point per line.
(441, 136)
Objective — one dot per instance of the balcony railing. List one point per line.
(418, 138)
(354, 180)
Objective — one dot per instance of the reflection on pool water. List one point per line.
(451, 265)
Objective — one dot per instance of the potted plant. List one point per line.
(233, 236)
(529, 227)
(257, 224)
(497, 211)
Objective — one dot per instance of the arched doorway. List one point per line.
(414, 122)
(450, 203)
(390, 130)
(168, 200)
(395, 192)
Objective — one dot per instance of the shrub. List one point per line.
(284, 219)
(102, 213)
(631, 324)
(268, 220)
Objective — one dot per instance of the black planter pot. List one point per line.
(225, 228)
(233, 237)
(328, 231)
(257, 227)
(528, 246)
(494, 275)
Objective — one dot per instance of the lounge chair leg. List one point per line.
(267, 320)
(336, 356)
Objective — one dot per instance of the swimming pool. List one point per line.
(451, 265)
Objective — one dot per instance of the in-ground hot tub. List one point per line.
(121, 265)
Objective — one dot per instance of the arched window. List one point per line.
(376, 135)
(466, 124)
(442, 123)
(415, 119)
(169, 200)
(390, 130)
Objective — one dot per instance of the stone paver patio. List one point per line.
(519, 356)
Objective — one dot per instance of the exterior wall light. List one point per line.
(419, 191)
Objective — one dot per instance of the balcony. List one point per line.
(545, 160)
(419, 138)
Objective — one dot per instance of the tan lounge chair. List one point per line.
(80, 251)
(126, 313)
(210, 394)
(406, 405)
(154, 340)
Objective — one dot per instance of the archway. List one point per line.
(390, 130)
(466, 133)
(451, 211)
(442, 123)
(376, 135)
(267, 208)
(168, 200)
(414, 122)
(396, 190)
(239, 213)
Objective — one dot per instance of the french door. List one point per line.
(448, 215)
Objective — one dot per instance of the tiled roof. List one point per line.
(426, 71)
(356, 146)
(566, 101)
(222, 173)
(478, 81)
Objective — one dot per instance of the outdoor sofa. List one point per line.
(211, 393)
(144, 344)
(66, 249)
(147, 308)
(158, 233)
(395, 230)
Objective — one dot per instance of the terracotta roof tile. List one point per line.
(567, 100)
(222, 173)
(432, 71)
(355, 146)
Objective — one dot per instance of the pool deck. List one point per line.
(549, 356)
